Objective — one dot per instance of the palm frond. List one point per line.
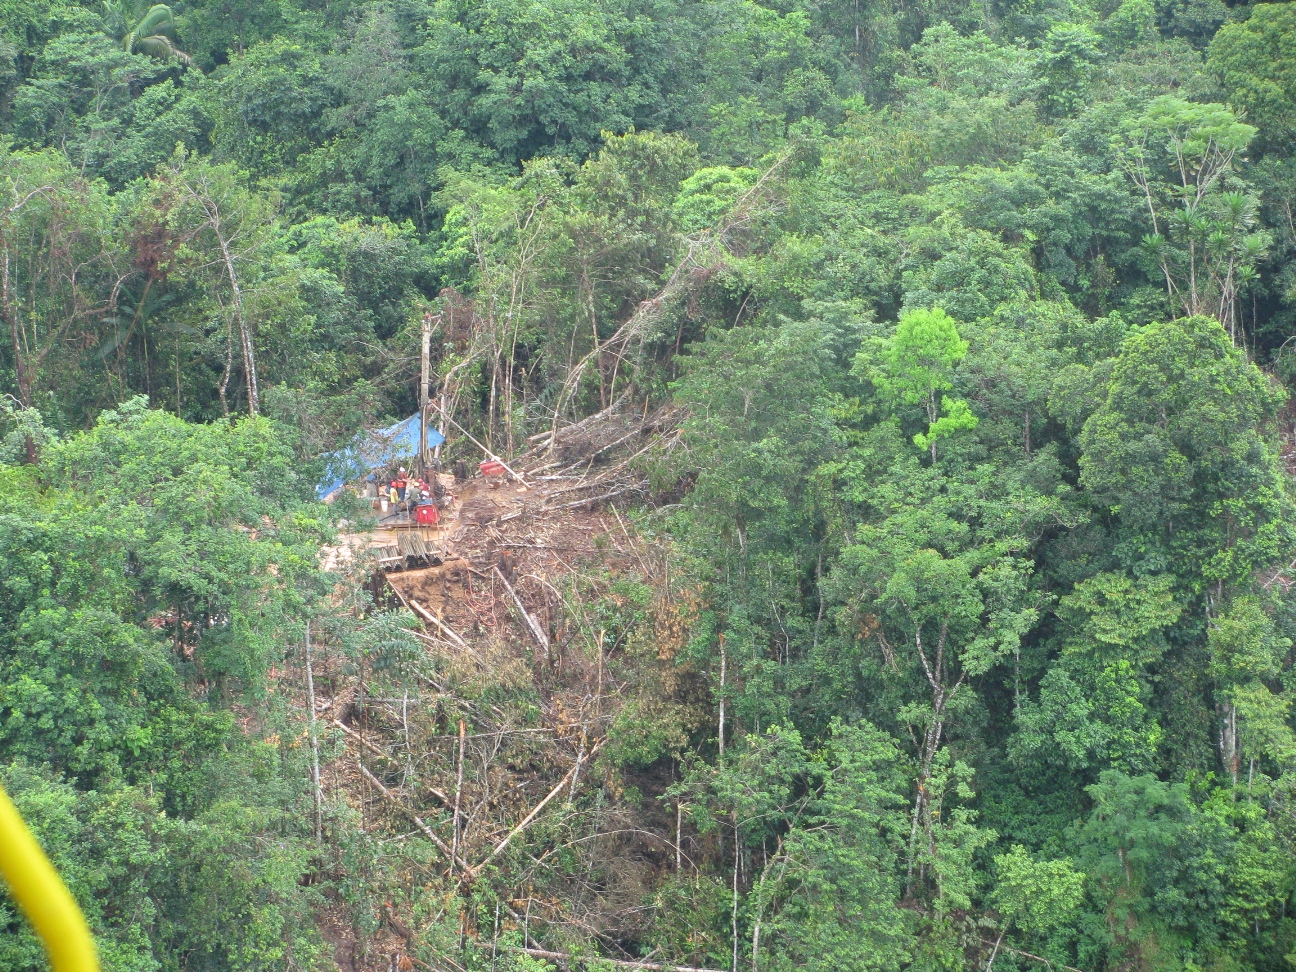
(161, 47)
(158, 20)
(114, 18)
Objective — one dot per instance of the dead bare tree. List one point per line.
(223, 226)
(702, 254)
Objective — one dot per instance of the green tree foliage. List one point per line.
(1245, 654)
(825, 896)
(916, 364)
(152, 33)
(1070, 51)
(1204, 239)
(1252, 59)
(1039, 897)
(522, 76)
(150, 564)
(946, 578)
(1177, 458)
(965, 329)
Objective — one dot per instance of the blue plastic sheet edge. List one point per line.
(372, 450)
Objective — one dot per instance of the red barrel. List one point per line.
(491, 467)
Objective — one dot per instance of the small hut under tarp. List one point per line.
(373, 450)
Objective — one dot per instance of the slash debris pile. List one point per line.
(537, 619)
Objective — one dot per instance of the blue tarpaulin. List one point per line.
(371, 450)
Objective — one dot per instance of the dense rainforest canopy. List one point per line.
(960, 633)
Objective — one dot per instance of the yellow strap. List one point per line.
(42, 895)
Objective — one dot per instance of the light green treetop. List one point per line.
(916, 364)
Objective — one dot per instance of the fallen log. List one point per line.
(597, 499)
(448, 632)
(598, 482)
(379, 752)
(583, 423)
(526, 822)
(619, 963)
(612, 445)
(421, 611)
(532, 625)
(1033, 958)
(433, 639)
(605, 476)
(428, 832)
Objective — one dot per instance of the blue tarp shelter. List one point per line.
(371, 450)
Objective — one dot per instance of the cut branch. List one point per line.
(530, 817)
(532, 625)
(385, 755)
(619, 963)
(440, 626)
(638, 487)
(1033, 958)
(428, 832)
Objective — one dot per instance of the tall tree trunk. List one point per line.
(314, 740)
(21, 372)
(933, 413)
(1230, 754)
(942, 695)
(245, 333)
(720, 728)
(733, 918)
(229, 367)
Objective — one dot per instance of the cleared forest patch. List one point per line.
(537, 618)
